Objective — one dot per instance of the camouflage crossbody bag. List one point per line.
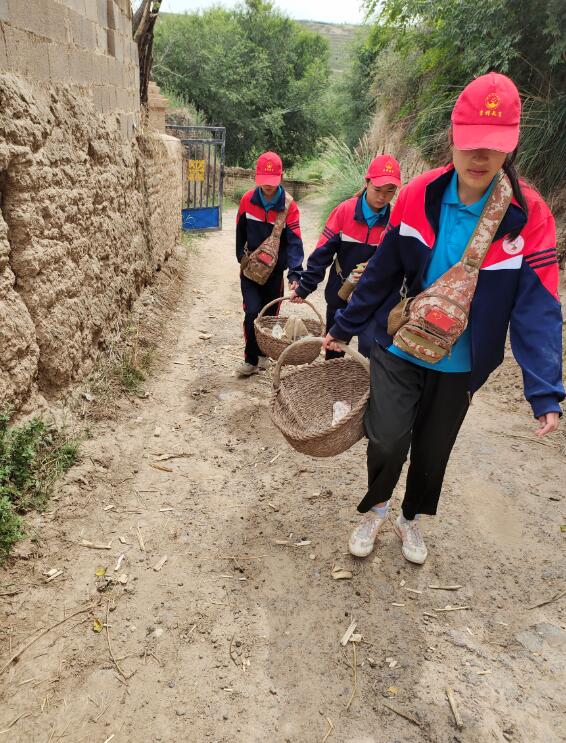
(259, 264)
(428, 325)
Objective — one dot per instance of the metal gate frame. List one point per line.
(204, 159)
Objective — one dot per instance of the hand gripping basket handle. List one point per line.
(314, 339)
(286, 299)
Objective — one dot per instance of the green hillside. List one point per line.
(340, 37)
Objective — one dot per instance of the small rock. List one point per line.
(157, 431)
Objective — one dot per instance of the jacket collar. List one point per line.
(513, 221)
(279, 206)
(359, 212)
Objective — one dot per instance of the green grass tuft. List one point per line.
(33, 456)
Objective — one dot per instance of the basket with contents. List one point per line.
(319, 408)
(274, 334)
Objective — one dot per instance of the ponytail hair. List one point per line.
(511, 172)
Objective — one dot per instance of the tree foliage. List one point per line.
(423, 52)
(253, 70)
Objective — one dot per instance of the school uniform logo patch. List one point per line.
(513, 247)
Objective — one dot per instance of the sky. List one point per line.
(331, 11)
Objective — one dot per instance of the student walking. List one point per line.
(423, 373)
(350, 237)
(257, 215)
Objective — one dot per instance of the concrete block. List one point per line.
(101, 39)
(111, 42)
(59, 63)
(57, 23)
(4, 11)
(111, 11)
(102, 12)
(101, 63)
(29, 16)
(83, 71)
(123, 100)
(98, 98)
(91, 10)
(23, 49)
(111, 103)
(3, 53)
(83, 32)
(119, 48)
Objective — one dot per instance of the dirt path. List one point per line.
(236, 638)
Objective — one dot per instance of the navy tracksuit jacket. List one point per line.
(517, 288)
(254, 225)
(346, 240)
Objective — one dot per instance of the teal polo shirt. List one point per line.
(457, 223)
(371, 217)
(267, 205)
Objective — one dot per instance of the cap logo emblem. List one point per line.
(388, 167)
(269, 166)
(491, 102)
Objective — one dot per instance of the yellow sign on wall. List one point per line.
(195, 170)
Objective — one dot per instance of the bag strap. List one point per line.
(487, 225)
(281, 218)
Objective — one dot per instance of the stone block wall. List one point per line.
(86, 44)
(89, 203)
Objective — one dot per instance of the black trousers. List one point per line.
(411, 406)
(256, 296)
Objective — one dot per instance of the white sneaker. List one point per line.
(246, 370)
(264, 363)
(362, 539)
(413, 549)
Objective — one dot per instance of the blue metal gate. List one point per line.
(203, 175)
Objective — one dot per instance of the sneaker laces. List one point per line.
(414, 534)
(366, 528)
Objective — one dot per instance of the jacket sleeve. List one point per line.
(536, 319)
(384, 268)
(323, 255)
(241, 231)
(295, 252)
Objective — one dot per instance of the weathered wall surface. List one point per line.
(89, 204)
(86, 44)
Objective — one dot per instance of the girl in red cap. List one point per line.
(352, 233)
(419, 404)
(256, 217)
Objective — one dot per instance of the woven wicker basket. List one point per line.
(274, 347)
(301, 402)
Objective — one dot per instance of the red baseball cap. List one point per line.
(384, 169)
(487, 114)
(268, 169)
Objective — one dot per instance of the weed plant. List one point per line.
(33, 456)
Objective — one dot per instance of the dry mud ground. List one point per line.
(237, 638)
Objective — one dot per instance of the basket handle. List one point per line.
(313, 339)
(286, 299)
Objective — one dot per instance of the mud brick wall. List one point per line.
(89, 201)
(239, 180)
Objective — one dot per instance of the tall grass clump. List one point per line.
(345, 168)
